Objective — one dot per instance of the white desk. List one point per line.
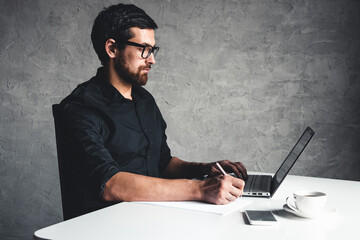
(143, 221)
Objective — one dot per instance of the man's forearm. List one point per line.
(125, 186)
(221, 189)
(178, 168)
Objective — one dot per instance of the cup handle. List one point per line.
(291, 204)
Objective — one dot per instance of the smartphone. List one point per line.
(256, 217)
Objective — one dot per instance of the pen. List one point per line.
(221, 169)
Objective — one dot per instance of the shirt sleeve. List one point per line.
(84, 127)
(165, 154)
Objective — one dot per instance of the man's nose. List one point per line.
(151, 59)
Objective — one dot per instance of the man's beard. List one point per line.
(135, 79)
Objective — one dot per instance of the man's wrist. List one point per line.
(197, 192)
(205, 169)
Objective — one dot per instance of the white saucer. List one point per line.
(326, 211)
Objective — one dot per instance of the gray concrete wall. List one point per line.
(235, 80)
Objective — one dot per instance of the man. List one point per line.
(116, 131)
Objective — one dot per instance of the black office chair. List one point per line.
(70, 196)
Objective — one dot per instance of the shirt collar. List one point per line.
(111, 93)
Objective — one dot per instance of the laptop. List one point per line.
(266, 185)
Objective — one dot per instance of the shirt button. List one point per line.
(145, 130)
(149, 156)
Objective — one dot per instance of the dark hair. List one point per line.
(114, 22)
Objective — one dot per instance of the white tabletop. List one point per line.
(143, 221)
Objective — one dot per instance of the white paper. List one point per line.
(205, 207)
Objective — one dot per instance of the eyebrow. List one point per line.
(144, 43)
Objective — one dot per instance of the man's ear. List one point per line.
(110, 48)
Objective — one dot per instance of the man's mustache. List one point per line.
(145, 67)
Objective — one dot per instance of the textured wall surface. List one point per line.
(235, 80)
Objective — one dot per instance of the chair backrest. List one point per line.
(70, 196)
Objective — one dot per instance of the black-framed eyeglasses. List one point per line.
(147, 49)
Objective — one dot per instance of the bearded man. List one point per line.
(116, 133)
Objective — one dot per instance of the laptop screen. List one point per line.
(291, 159)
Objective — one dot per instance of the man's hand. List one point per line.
(221, 189)
(230, 167)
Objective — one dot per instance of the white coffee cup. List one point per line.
(309, 202)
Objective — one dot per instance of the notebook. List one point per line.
(239, 203)
(266, 185)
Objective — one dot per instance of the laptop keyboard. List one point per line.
(258, 183)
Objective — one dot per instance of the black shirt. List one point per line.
(108, 133)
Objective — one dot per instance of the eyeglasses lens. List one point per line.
(148, 50)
